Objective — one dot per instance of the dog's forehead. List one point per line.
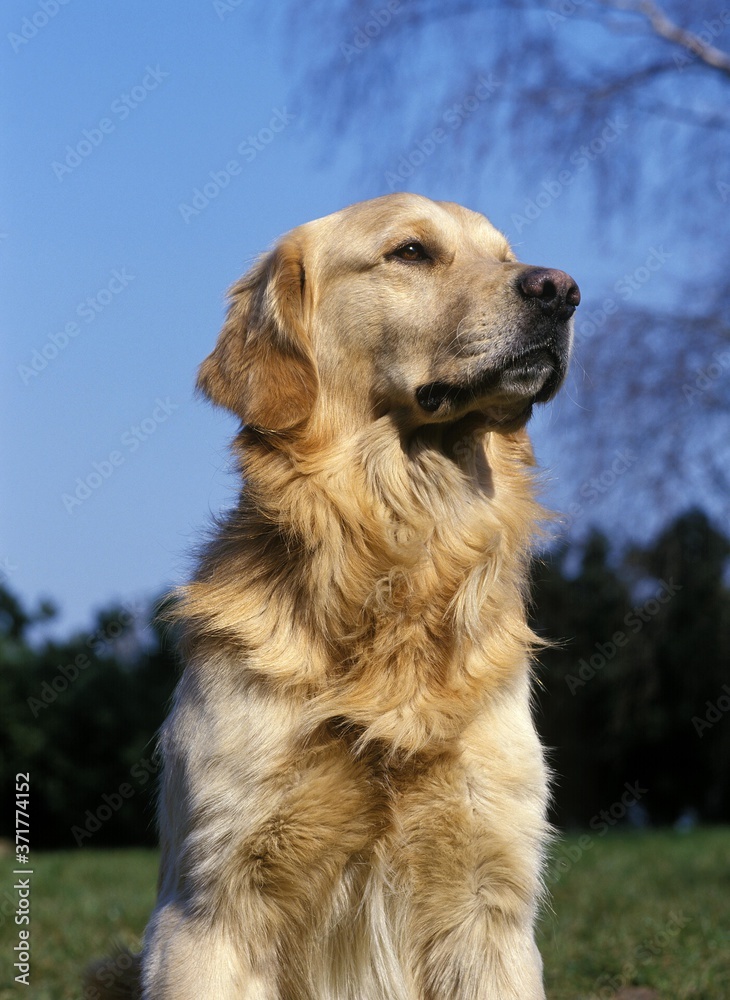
(379, 221)
(476, 227)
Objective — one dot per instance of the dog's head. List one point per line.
(401, 306)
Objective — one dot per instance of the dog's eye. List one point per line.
(412, 251)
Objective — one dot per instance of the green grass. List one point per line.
(83, 903)
(640, 909)
(645, 909)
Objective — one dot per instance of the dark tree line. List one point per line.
(639, 691)
(81, 717)
(634, 694)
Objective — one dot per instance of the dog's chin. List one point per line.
(535, 376)
(501, 397)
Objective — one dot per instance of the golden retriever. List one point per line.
(354, 795)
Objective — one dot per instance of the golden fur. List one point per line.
(353, 803)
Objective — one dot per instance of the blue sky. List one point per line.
(113, 289)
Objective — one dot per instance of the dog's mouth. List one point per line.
(504, 393)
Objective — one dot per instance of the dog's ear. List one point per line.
(262, 367)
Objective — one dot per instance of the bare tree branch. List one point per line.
(672, 32)
(690, 116)
(618, 96)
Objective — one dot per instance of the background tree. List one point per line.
(634, 690)
(81, 715)
(580, 612)
(625, 94)
(638, 688)
(684, 667)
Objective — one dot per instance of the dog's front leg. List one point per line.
(258, 825)
(468, 858)
(192, 958)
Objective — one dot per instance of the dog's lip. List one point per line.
(530, 376)
(530, 360)
(539, 364)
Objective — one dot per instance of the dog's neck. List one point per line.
(393, 587)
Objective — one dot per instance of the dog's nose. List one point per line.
(556, 292)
